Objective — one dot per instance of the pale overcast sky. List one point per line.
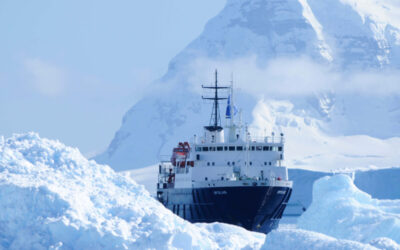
(70, 69)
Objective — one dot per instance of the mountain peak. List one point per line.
(344, 35)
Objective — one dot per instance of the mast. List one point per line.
(216, 101)
(232, 136)
(215, 119)
(231, 106)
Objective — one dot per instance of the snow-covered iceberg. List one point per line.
(53, 197)
(339, 209)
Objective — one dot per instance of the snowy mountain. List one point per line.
(51, 197)
(322, 72)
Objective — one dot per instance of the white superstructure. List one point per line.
(234, 158)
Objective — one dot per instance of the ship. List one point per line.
(234, 178)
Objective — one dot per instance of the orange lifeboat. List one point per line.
(180, 154)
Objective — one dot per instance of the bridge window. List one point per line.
(219, 148)
(266, 148)
(212, 148)
(270, 163)
(205, 178)
(274, 148)
(250, 163)
(229, 163)
(265, 163)
(239, 148)
(280, 148)
(208, 164)
(198, 149)
(231, 148)
(233, 163)
(205, 148)
(253, 148)
(213, 163)
(226, 148)
(259, 148)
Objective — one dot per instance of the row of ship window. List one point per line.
(239, 148)
(233, 163)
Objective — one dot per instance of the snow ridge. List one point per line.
(309, 15)
(52, 197)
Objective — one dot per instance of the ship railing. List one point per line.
(254, 139)
(267, 139)
(166, 164)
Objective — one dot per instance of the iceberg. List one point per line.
(53, 197)
(339, 209)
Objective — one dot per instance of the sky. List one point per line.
(71, 69)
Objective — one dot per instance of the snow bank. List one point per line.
(305, 240)
(341, 210)
(53, 197)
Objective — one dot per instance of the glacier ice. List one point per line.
(341, 210)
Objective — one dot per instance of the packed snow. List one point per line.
(305, 240)
(341, 210)
(51, 197)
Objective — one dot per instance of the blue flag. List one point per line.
(229, 109)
